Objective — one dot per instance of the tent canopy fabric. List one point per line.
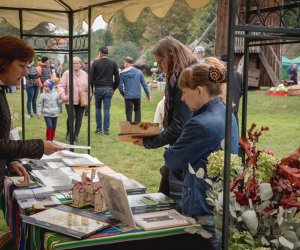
(286, 61)
(296, 60)
(56, 11)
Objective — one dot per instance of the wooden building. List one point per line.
(264, 61)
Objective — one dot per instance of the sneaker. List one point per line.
(76, 139)
(67, 137)
(98, 131)
(106, 133)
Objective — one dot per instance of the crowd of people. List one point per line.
(191, 114)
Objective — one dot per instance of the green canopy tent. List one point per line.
(285, 63)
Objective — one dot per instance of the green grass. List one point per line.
(280, 114)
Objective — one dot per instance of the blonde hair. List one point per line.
(77, 59)
(212, 77)
(211, 60)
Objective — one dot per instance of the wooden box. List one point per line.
(143, 129)
(294, 90)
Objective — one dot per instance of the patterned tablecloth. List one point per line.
(120, 236)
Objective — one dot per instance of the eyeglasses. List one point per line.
(159, 62)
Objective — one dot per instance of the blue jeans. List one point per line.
(32, 93)
(51, 122)
(103, 95)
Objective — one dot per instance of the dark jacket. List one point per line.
(105, 73)
(131, 80)
(201, 136)
(46, 73)
(11, 150)
(178, 115)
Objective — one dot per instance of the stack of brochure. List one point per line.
(28, 193)
(76, 159)
(144, 203)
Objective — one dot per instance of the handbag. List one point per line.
(83, 98)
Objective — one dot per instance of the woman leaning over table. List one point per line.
(201, 135)
(172, 57)
(80, 84)
(14, 57)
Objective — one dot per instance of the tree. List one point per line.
(122, 49)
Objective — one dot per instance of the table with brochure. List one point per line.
(116, 236)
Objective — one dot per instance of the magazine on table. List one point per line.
(78, 223)
(117, 202)
(160, 219)
(58, 179)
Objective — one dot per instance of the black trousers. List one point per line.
(135, 105)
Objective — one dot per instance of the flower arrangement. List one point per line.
(264, 196)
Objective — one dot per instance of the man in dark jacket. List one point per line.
(131, 80)
(104, 81)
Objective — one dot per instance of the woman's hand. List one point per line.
(17, 168)
(50, 148)
(138, 141)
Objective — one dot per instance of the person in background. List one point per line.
(292, 71)
(80, 84)
(85, 66)
(104, 81)
(199, 53)
(49, 104)
(32, 84)
(237, 89)
(58, 69)
(15, 54)
(131, 80)
(201, 135)
(172, 57)
(159, 113)
(44, 70)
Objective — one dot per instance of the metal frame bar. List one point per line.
(70, 51)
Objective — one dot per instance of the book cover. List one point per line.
(142, 203)
(160, 220)
(116, 198)
(117, 202)
(74, 222)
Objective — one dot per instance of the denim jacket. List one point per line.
(201, 136)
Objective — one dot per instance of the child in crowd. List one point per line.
(49, 107)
